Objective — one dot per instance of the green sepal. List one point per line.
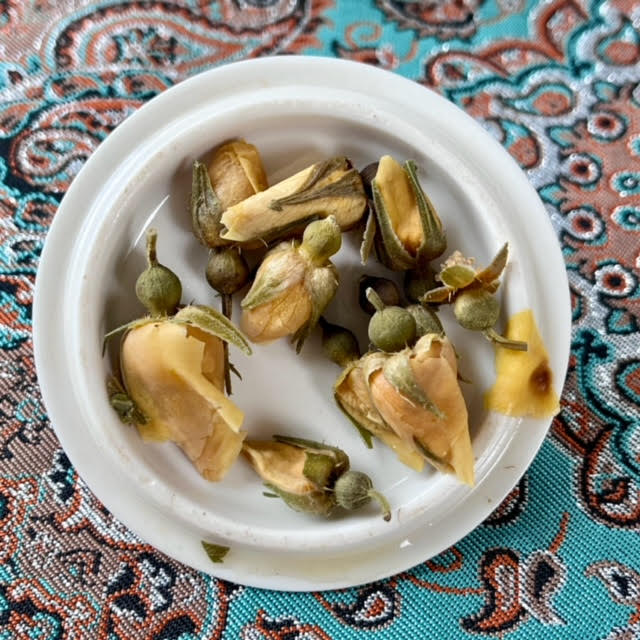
(507, 343)
(426, 319)
(320, 503)
(368, 237)
(296, 227)
(495, 268)
(322, 284)
(434, 241)
(343, 187)
(341, 458)
(319, 468)
(457, 276)
(216, 552)
(205, 208)
(398, 372)
(122, 404)
(214, 323)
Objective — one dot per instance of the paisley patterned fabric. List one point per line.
(557, 82)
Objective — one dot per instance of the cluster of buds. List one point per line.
(174, 363)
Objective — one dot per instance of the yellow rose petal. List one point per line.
(524, 380)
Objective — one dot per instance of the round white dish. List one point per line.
(297, 110)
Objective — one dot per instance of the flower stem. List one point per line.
(227, 309)
(382, 501)
(374, 299)
(152, 239)
(516, 345)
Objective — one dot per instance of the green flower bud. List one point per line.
(157, 287)
(354, 489)
(476, 309)
(321, 239)
(390, 328)
(386, 290)
(227, 271)
(339, 344)
(426, 320)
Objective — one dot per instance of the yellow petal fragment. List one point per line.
(213, 357)
(524, 380)
(236, 172)
(400, 203)
(279, 464)
(220, 451)
(162, 367)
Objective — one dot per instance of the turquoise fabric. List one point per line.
(557, 82)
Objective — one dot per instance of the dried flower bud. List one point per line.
(157, 287)
(308, 475)
(352, 396)
(409, 230)
(471, 290)
(417, 394)
(236, 172)
(386, 289)
(390, 328)
(339, 344)
(284, 469)
(172, 369)
(227, 271)
(426, 320)
(330, 187)
(524, 380)
(458, 273)
(293, 287)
